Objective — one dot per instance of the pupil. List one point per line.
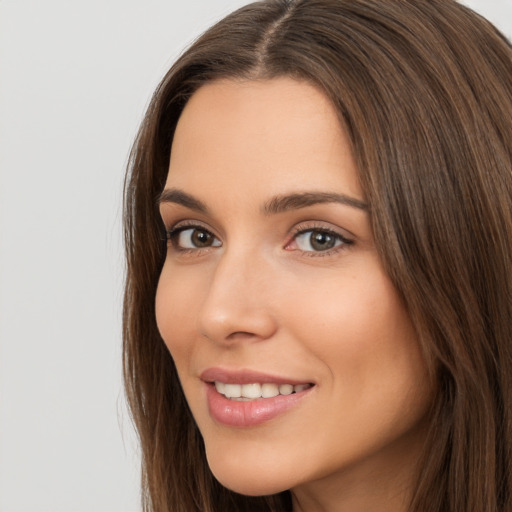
(201, 238)
(321, 241)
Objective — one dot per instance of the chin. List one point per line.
(255, 481)
(249, 487)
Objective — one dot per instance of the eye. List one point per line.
(318, 240)
(191, 238)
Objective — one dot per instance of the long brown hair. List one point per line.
(424, 91)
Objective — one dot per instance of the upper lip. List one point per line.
(246, 376)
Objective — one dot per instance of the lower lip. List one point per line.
(234, 413)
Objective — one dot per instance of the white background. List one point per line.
(75, 77)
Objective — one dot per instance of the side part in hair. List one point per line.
(423, 89)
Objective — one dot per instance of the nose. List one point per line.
(237, 304)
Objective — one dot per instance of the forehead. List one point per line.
(250, 133)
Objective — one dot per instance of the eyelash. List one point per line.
(173, 233)
(303, 229)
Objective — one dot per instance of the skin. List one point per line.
(259, 297)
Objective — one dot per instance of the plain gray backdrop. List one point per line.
(75, 78)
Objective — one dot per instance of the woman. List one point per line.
(318, 232)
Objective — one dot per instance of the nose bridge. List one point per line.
(237, 301)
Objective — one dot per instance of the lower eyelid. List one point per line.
(173, 234)
(342, 243)
(331, 232)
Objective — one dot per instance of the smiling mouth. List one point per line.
(256, 391)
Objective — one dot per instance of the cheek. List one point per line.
(331, 313)
(173, 308)
(360, 329)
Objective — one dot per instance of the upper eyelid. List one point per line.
(172, 233)
(297, 229)
(190, 224)
(173, 214)
(313, 225)
(343, 238)
(179, 227)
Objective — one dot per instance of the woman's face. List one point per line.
(273, 293)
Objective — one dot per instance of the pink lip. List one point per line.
(246, 376)
(235, 413)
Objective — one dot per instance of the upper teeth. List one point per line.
(252, 391)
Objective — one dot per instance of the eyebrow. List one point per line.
(287, 202)
(278, 204)
(174, 195)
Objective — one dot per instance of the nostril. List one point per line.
(239, 324)
(241, 334)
